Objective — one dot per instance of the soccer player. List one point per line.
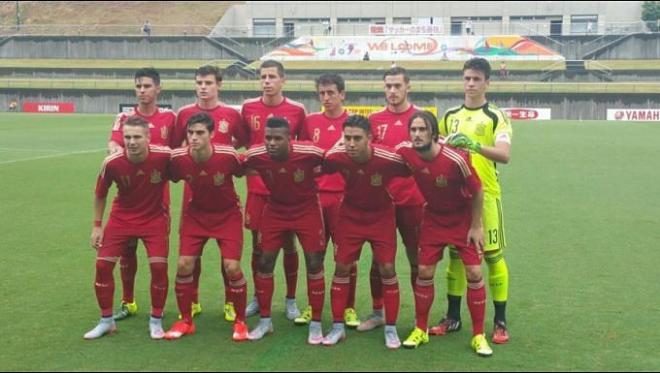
(161, 130)
(141, 175)
(256, 111)
(229, 131)
(287, 169)
(485, 131)
(390, 128)
(212, 212)
(452, 216)
(366, 215)
(324, 129)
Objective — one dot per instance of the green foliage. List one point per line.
(651, 14)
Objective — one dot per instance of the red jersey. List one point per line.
(366, 182)
(211, 181)
(141, 186)
(291, 182)
(391, 129)
(161, 126)
(324, 132)
(255, 113)
(228, 124)
(448, 182)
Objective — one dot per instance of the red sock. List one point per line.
(225, 280)
(238, 295)
(338, 295)
(291, 271)
(158, 286)
(376, 287)
(352, 288)
(391, 299)
(476, 300)
(414, 272)
(104, 286)
(184, 293)
(197, 271)
(264, 285)
(424, 294)
(128, 270)
(316, 293)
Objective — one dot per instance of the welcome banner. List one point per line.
(412, 47)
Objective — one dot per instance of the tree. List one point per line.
(651, 14)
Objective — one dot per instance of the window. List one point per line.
(263, 27)
(584, 24)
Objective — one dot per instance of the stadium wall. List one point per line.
(110, 47)
(563, 106)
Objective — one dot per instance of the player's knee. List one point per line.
(232, 267)
(105, 266)
(314, 262)
(185, 265)
(387, 270)
(266, 262)
(426, 271)
(473, 274)
(343, 270)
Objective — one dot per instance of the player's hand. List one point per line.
(113, 149)
(459, 140)
(97, 237)
(476, 236)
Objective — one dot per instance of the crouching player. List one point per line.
(452, 216)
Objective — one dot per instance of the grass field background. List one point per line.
(581, 208)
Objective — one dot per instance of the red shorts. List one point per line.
(357, 227)
(115, 238)
(438, 231)
(254, 209)
(276, 229)
(330, 203)
(225, 228)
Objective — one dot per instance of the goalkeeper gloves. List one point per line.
(460, 140)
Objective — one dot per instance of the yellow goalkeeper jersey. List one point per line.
(487, 125)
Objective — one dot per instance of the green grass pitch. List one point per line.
(581, 206)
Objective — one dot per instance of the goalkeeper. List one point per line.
(484, 130)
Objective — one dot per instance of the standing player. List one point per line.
(452, 216)
(161, 131)
(390, 127)
(228, 131)
(287, 168)
(484, 130)
(256, 111)
(366, 215)
(140, 173)
(324, 129)
(212, 212)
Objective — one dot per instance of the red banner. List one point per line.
(49, 107)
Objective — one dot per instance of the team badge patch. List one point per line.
(299, 176)
(218, 179)
(223, 126)
(376, 180)
(440, 181)
(156, 177)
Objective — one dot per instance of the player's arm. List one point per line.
(500, 152)
(116, 143)
(97, 229)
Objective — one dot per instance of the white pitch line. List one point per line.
(52, 156)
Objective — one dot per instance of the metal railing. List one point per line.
(353, 86)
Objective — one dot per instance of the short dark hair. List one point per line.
(479, 64)
(148, 72)
(358, 121)
(137, 121)
(429, 119)
(209, 70)
(327, 79)
(277, 122)
(397, 71)
(272, 63)
(202, 118)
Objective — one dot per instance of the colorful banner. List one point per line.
(637, 115)
(412, 47)
(528, 113)
(49, 107)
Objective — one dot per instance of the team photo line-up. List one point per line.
(321, 177)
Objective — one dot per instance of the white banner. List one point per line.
(638, 115)
(528, 113)
(391, 29)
